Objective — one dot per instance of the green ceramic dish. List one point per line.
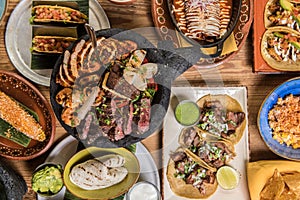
(131, 163)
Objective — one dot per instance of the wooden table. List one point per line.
(236, 72)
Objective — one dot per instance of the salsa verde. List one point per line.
(187, 113)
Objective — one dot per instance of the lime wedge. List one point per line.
(227, 177)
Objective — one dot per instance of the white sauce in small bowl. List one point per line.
(143, 191)
(122, 1)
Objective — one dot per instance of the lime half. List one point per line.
(228, 178)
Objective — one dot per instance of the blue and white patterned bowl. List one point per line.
(291, 86)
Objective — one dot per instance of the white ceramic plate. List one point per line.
(172, 130)
(18, 37)
(68, 146)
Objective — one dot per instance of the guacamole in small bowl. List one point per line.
(47, 179)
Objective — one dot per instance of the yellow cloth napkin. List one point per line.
(228, 47)
(259, 172)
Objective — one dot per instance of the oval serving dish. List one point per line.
(24, 92)
(235, 13)
(291, 86)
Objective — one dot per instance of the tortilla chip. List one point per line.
(274, 187)
(259, 172)
(287, 195)
(292, 180)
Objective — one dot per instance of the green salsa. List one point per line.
(187, 113)
(48, 180)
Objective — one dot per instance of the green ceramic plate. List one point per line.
(131, 163)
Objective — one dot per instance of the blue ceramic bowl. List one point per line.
(2, 9)
(291, 86)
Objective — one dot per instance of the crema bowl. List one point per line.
(143, 190)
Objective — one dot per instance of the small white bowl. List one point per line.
(143, 190)
(122, 2)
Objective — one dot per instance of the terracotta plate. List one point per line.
(260, 64)
(24, 92)
(163, 22)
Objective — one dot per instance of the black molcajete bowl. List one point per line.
(12, 185)
(171, 63)
(235, 14)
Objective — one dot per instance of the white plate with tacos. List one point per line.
(189, 161)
